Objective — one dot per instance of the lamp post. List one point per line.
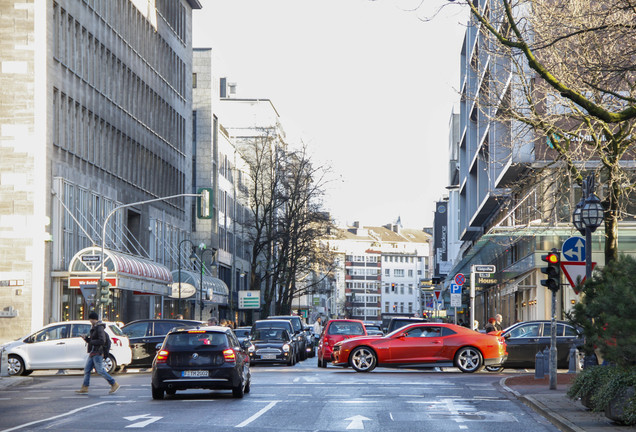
(203, 250)
(588, 216)
(193, 258)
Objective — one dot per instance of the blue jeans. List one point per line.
(96, 362)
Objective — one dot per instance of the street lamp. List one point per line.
(588, 216)
(193, 258)
(203, 250)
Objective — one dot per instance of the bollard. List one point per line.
(546, 360)
(575, 363)
(539, 362)
(4, 363)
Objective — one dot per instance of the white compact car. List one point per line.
(61, 346)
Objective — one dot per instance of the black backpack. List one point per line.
(107, 345)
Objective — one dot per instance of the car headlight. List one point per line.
(251, 348)
(286, 347)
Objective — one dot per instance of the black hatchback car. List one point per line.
(201, 358)
(144, 335)
(271, 345)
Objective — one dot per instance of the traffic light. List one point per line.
(393, 287)
(394, 308)
(104, 292)
(552, 270)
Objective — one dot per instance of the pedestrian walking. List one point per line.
(317, 329)
(498, 320)
(476, 325)
(96, 340)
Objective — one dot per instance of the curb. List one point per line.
(553, 417)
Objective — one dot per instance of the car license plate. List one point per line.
(194, 373)
(268, 356)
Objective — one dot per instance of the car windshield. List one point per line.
(196, 340)
(346, 328)
(116, 330)
(269, 334)
(241, 333)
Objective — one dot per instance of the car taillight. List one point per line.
(116, 341)
(229, 355)
(162, 356)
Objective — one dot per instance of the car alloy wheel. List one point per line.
(363, 359)
(469, 359)
(110, 364)
(15, 365)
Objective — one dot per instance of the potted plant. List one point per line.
(616, 395)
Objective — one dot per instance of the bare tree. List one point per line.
(573, 91)
(286, 188)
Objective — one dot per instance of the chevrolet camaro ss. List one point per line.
(422, 345)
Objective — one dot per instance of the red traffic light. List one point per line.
(552, 258)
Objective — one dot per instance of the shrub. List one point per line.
(607, 312)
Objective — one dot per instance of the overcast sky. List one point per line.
(369, 85)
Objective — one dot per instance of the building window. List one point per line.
(401, 288)
(410, 307)
(398, 272)
(387, 272)
(410, 273)
(194, 80)
(410, 288)
(386, 307)
(401, 307)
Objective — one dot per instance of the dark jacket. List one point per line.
(96, 339)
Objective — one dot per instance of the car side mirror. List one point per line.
(507, 336)
(245, 344)
(158, 346)
(401, 335)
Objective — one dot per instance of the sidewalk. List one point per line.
(556, 406)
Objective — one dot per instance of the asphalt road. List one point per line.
(299, 398)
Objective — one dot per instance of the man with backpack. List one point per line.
(98, 345)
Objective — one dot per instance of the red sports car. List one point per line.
(422, 345)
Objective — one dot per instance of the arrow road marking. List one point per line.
(148, 419)
(356, 422)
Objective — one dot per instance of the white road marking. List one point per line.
(60, 415)
(147, 420)
(357, 422)
(37, 398)
(391, 415)
(257, 415)
(463, 427)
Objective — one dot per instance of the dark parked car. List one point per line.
(373, 329)
(271, 345)
(144, 335)
(525, 339)
(399, 322)
(298, 335)
(202, 358)
(282, 324)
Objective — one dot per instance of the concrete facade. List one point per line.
(96, 112)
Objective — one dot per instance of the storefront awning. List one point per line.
(121, 270)
(214, 289)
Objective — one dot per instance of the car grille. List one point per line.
(268, 351)
(204, 359)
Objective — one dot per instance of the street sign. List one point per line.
(460, 279)
(575, 273)
(484, 269)
(455, 289)
(249, 299)
(91, 258)
(574, 249)
(437, 293)
(456, 300)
